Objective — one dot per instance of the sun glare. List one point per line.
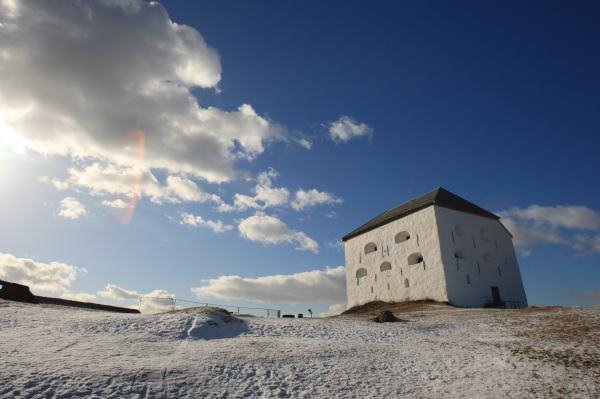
(134, 142)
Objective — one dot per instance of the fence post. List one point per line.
(238, 310)
(174, 300)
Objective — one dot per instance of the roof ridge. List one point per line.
(438, 196)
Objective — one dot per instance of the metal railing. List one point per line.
(162, 304)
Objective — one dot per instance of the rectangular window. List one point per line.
(423, 265)
(401, 271)
(457, 264)
(388, 286)
(357, 281)
(474, 246)
(375, 277)
(478, 268)
(371, 290)
(452, 231)
(417, 240)
(468, 279)
(499, 271)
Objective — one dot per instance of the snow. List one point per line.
(48, 351)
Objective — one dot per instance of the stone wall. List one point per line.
(401, 281)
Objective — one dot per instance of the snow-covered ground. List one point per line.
(48, 351)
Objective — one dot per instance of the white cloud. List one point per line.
(308, 198)
(265, 195)
(112, 291)
(566, 225)
(305, 143)
(71, 208)
(50, 277)
(565, 216)
(271, 230)
(108, 179)
(346, 128)
(217, 226)
(317, 286)
(155, 301)
(111, 81)
(116, 204)
(333, 310)
(79, 296)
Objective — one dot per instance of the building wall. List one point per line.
(425, 280)
(487, 258)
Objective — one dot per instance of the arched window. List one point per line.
(415, 258)
(401, 237)
(484, 235)
(385, 266)
(362, 272)
(488, 258)
(370, 247)
(459, 229)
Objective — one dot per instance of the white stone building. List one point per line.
(438, 246)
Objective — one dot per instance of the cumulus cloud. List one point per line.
(270, 230)
(152, 302)
(308, 198)
(317, 286)
(71, 208)
(217, 226)
(54, 277)
(100, 179)
(567, 225)
(333, 310)
(561, 216)
(78, 296)
(305, 143)
(265, 195)
(346, 128)
(112, 291)
(84, 74)
(116, 203)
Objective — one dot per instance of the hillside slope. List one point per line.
(50, 351)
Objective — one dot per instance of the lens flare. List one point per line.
(134, 142)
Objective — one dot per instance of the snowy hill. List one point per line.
(48, 351)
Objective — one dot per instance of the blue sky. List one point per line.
(495, 102)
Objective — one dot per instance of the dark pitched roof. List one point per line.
(439, 196)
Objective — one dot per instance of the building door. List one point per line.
(496, 294)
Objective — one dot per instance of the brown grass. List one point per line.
(563, 337)
(374, 308)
